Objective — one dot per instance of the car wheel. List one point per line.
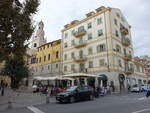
(72, 99)
(91, 97)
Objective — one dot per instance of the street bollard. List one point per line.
(47, 100)
(10, 104)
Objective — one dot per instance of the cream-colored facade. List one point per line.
(101, 44)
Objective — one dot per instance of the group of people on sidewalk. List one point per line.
(102, 91)
(54, 90)
(51, 90)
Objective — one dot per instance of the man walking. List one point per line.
(2, 88)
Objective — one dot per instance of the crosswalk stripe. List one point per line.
(34, 109)
(142, 98)
(143, 110)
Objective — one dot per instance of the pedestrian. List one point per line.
(108, 89)
(2, 92)
(129, 87)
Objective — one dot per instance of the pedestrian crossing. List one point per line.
(34, 109)
(142, 98)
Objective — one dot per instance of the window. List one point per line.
(115, 21)
(132, 67)
(48, 46)
(44, 47)
(100, 32)
(118, 48)
(142, 69)
(101, 62)
(81, 40)
(101, 48)
(116, 33)
(40, 60)
(72, 55)
(49, 56)
(56, 65)
(130, 53)
(90, 51)
(33, 60)
(118, 15)
(66, 35)
(90, 64)
(89, 25)
(44, 58)
(65, 68)
(65, 57)
(119, 63)
(122, 19)
(72, 67)
(72, 42)
(48, 67)
(99, 21)
(72, 32)
(89, 36)
(81, 28)
(57, 54)
(42, 68)
(35, 44)
(137, 68)
(37, 60)
(66, 45)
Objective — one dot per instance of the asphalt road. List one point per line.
(129, 103)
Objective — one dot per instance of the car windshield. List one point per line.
(71, 89)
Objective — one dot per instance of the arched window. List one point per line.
(35, 44)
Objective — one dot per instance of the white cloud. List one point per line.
(56, 13)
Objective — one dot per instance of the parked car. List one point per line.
(76, 93)
(144, 87)
(136, 88)
(35, 88)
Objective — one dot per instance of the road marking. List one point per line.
(34, 109)
(143, 110)
(142, 98)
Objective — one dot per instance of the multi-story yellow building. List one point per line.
(101, 44)
(48, 60)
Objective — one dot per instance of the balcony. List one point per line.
(128, 57)
(80, 59)
(124, 31)
(129, 71)
(125, 41)
(81, 44)
(80, 33)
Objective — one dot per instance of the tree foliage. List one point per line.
(15, 26)
(16, 68)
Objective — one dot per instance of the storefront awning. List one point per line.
(52, 78)
(80, 75)
(103, 77)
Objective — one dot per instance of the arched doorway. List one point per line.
(121, 78)
(103, 79)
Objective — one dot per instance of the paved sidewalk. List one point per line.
(22, 99)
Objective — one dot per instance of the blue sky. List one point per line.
(56, 13)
